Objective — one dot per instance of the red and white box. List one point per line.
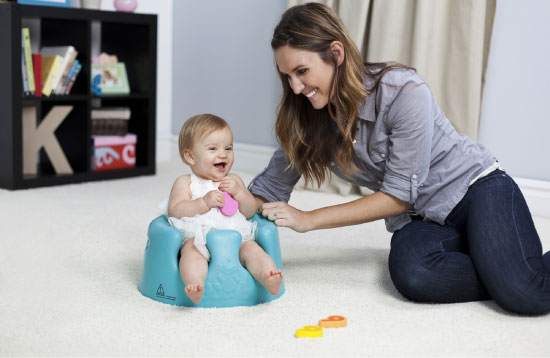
(114, 152)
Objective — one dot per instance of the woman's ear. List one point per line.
(338, 51)
(188, 156)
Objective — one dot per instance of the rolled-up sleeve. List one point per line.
(411, 118)
(276, 182)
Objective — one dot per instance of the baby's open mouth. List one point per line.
(220, 166)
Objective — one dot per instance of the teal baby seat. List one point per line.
(227, 284)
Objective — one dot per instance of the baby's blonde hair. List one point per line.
(196, 127)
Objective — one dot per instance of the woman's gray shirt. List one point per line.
(404, 147)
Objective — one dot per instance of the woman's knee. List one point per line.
(519, 286)
(416, 259)
(408, 275)
(532, 300)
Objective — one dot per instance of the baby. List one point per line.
(206, 145)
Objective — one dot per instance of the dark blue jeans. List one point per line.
(488, 248)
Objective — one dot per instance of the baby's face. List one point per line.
(212, 155)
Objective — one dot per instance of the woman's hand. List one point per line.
(366, 209)
(287, 216)
(214, 198)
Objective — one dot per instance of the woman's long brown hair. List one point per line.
(310, 137)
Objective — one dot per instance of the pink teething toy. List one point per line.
(231, 205)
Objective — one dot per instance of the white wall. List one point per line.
(515, 121)
(223, 64)
(194, 76)
(515, 117)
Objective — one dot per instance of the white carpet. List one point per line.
(71, 259)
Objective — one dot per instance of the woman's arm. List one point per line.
(369, 208)
(277, 180)
(259, 202)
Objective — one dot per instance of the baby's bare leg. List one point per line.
(261, 266)
(193, 270)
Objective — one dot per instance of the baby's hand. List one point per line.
(230, 185)
(214, 199)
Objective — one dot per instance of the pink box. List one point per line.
(114, 152)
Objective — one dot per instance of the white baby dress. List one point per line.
(199, 225)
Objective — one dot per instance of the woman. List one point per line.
(461, 227)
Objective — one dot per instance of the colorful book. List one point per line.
(37, 69)
(73, 77)
(60, 89)
(69, 76)
(24, 68)
(51, 66)
(28, 58)
(65, 52)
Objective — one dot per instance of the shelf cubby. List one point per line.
(132, 37)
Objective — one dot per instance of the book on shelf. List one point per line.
(24, 68)
(53, 70)
(60, 89)
(72, 76)
(51, 66)
(28, 59)
(66, 53)
(37, 70)
(67, 76)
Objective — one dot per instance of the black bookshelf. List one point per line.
(132, 37)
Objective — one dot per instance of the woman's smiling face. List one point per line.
(307, 74)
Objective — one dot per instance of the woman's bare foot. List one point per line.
(272, 281)
(194, 291)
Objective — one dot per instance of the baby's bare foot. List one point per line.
(194, 291)
(272, 281)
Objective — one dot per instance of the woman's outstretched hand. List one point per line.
(287, 216)
(363, 210)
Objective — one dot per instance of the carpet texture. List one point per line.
(71, 259)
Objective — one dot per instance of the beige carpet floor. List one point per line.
(71, 259)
